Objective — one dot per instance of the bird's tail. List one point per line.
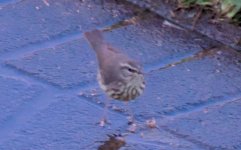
(95, 38)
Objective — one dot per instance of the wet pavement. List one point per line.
(50, 98)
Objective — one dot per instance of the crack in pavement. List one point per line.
(199, 55)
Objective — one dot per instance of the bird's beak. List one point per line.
(140, 72)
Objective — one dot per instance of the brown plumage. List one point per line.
(118, 75)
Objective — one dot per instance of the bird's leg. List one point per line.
(131, 119)
(104, 118)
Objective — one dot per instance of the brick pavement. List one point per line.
(50, 99)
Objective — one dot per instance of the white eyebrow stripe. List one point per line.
(128, 66)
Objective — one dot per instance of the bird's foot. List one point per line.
(103, 122)
(130, 120)
(132, 128)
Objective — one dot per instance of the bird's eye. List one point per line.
(131, 70)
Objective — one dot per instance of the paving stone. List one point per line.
(65, 65)
(183, 91)
(156, 42)
(33, 21)
(6, 2)
(74, 63)
(139, 146)
(192, 85)
(156, 139)
(15, 95)
(217, 126)
(186, 87)
(70, 123)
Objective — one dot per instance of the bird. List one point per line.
(119, 76)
